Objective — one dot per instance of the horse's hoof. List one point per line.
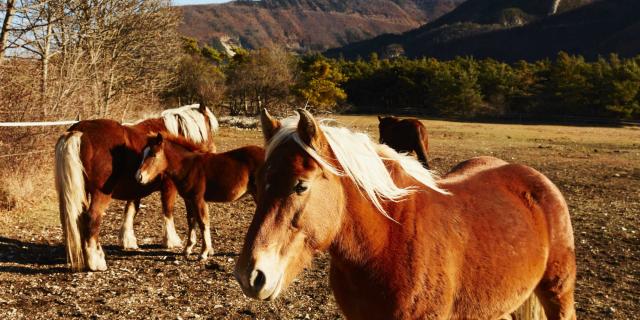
(172, 244)
(129, 243)
(97, 265)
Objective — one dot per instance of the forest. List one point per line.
(569, 85)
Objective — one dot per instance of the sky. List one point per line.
(184, 2)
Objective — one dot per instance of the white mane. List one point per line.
(189, 122)
(361, 160)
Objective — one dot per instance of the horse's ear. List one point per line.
(202, 108)
(309, 131)
(269, 125)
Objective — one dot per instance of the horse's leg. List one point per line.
(170, 238)
(127, 235)
(555, 292)
(191, 221)
(92, 248)
(422, 147)
(422, 158)
(421, 153)
(205, 231)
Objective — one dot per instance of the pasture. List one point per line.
(596, 168)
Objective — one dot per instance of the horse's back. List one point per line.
(109, 152)
(495, 177)
(473, 166)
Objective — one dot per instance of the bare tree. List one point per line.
(9, 11)
(105, 51)
(259, 79)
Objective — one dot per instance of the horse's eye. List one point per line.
(301, 187)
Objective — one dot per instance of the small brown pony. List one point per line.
(200, 176)
(405, 135)
(96, 160)
(404, 245)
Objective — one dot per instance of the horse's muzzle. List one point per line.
(140, 177)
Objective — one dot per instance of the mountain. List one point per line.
(303, 25)
(511, 30)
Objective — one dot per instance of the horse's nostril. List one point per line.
(257, 281)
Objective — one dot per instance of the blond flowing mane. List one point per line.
(362, 160)
(189, 121)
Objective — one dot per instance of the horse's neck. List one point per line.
(367, 234)
(363, 231)
(180, 160)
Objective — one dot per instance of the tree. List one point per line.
(259, 79)
(319, 83)
(199, 78)
(106, 51)
(9, 12)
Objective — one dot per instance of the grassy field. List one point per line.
(596, 168)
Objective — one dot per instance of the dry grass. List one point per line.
(597, 169)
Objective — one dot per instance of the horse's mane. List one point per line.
(362, 160)
(184, 142)
(187, 121)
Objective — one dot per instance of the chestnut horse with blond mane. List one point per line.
(404, 245)
(96, 160)
(405, 135)
(200, 176)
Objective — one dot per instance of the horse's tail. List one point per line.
(422, 148)
(71, 195)
(531, 309)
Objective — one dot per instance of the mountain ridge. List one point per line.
(585, 27)
(303, 25)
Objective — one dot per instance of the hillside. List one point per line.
(516, 29)
(303, 25)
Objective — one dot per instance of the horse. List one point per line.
(404, 244)
(200, 176)
(96, 160)
(405, 135)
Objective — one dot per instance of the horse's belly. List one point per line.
(502, 280)
(129, 189)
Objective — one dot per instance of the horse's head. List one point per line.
(154, 161)
(299, 207)
(385, 125)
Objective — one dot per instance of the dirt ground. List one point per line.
(596, 168)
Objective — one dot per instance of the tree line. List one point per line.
(464, 87)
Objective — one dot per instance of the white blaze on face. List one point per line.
(270, 265)
(141, 176)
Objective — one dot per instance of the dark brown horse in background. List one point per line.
(200, 176)
(473, 245)
(96, 160)
(405, 135)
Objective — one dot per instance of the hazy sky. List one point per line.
(183, 2)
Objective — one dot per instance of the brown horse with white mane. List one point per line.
(96, 160)
(403, 245)
(405, 135)
(200, 176)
